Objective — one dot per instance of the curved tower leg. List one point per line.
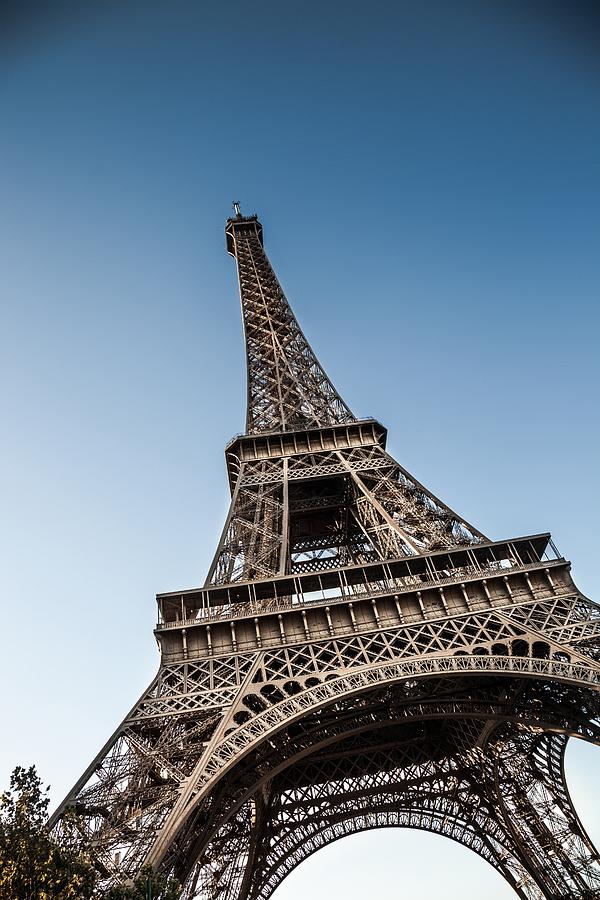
(531, 798)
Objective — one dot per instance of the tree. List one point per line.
(38, 865)
(35, 865)
(149, 885)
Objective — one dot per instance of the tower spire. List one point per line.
(287, 386)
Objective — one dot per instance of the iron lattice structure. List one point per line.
(359, 656)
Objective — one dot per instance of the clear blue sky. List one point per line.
(429, 185)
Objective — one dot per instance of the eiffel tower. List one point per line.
(359, 656)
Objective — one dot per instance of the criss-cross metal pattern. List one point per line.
(287, 387)
(358, 657)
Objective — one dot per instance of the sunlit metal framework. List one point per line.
(360, 656)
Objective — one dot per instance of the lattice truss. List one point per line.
(125, 796)
(497, 788)
(211, 771)
(315, 511)
(237, 764)
(287, 387)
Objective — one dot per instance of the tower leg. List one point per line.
(531, 799)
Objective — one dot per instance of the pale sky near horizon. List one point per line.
(429, 186)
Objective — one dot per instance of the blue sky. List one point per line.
(429, 186)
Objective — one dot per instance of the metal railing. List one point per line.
(348, 593)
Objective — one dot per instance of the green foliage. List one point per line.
(148, 885)
(34, 865)
(38, 865)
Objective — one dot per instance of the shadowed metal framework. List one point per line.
(360, 656)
